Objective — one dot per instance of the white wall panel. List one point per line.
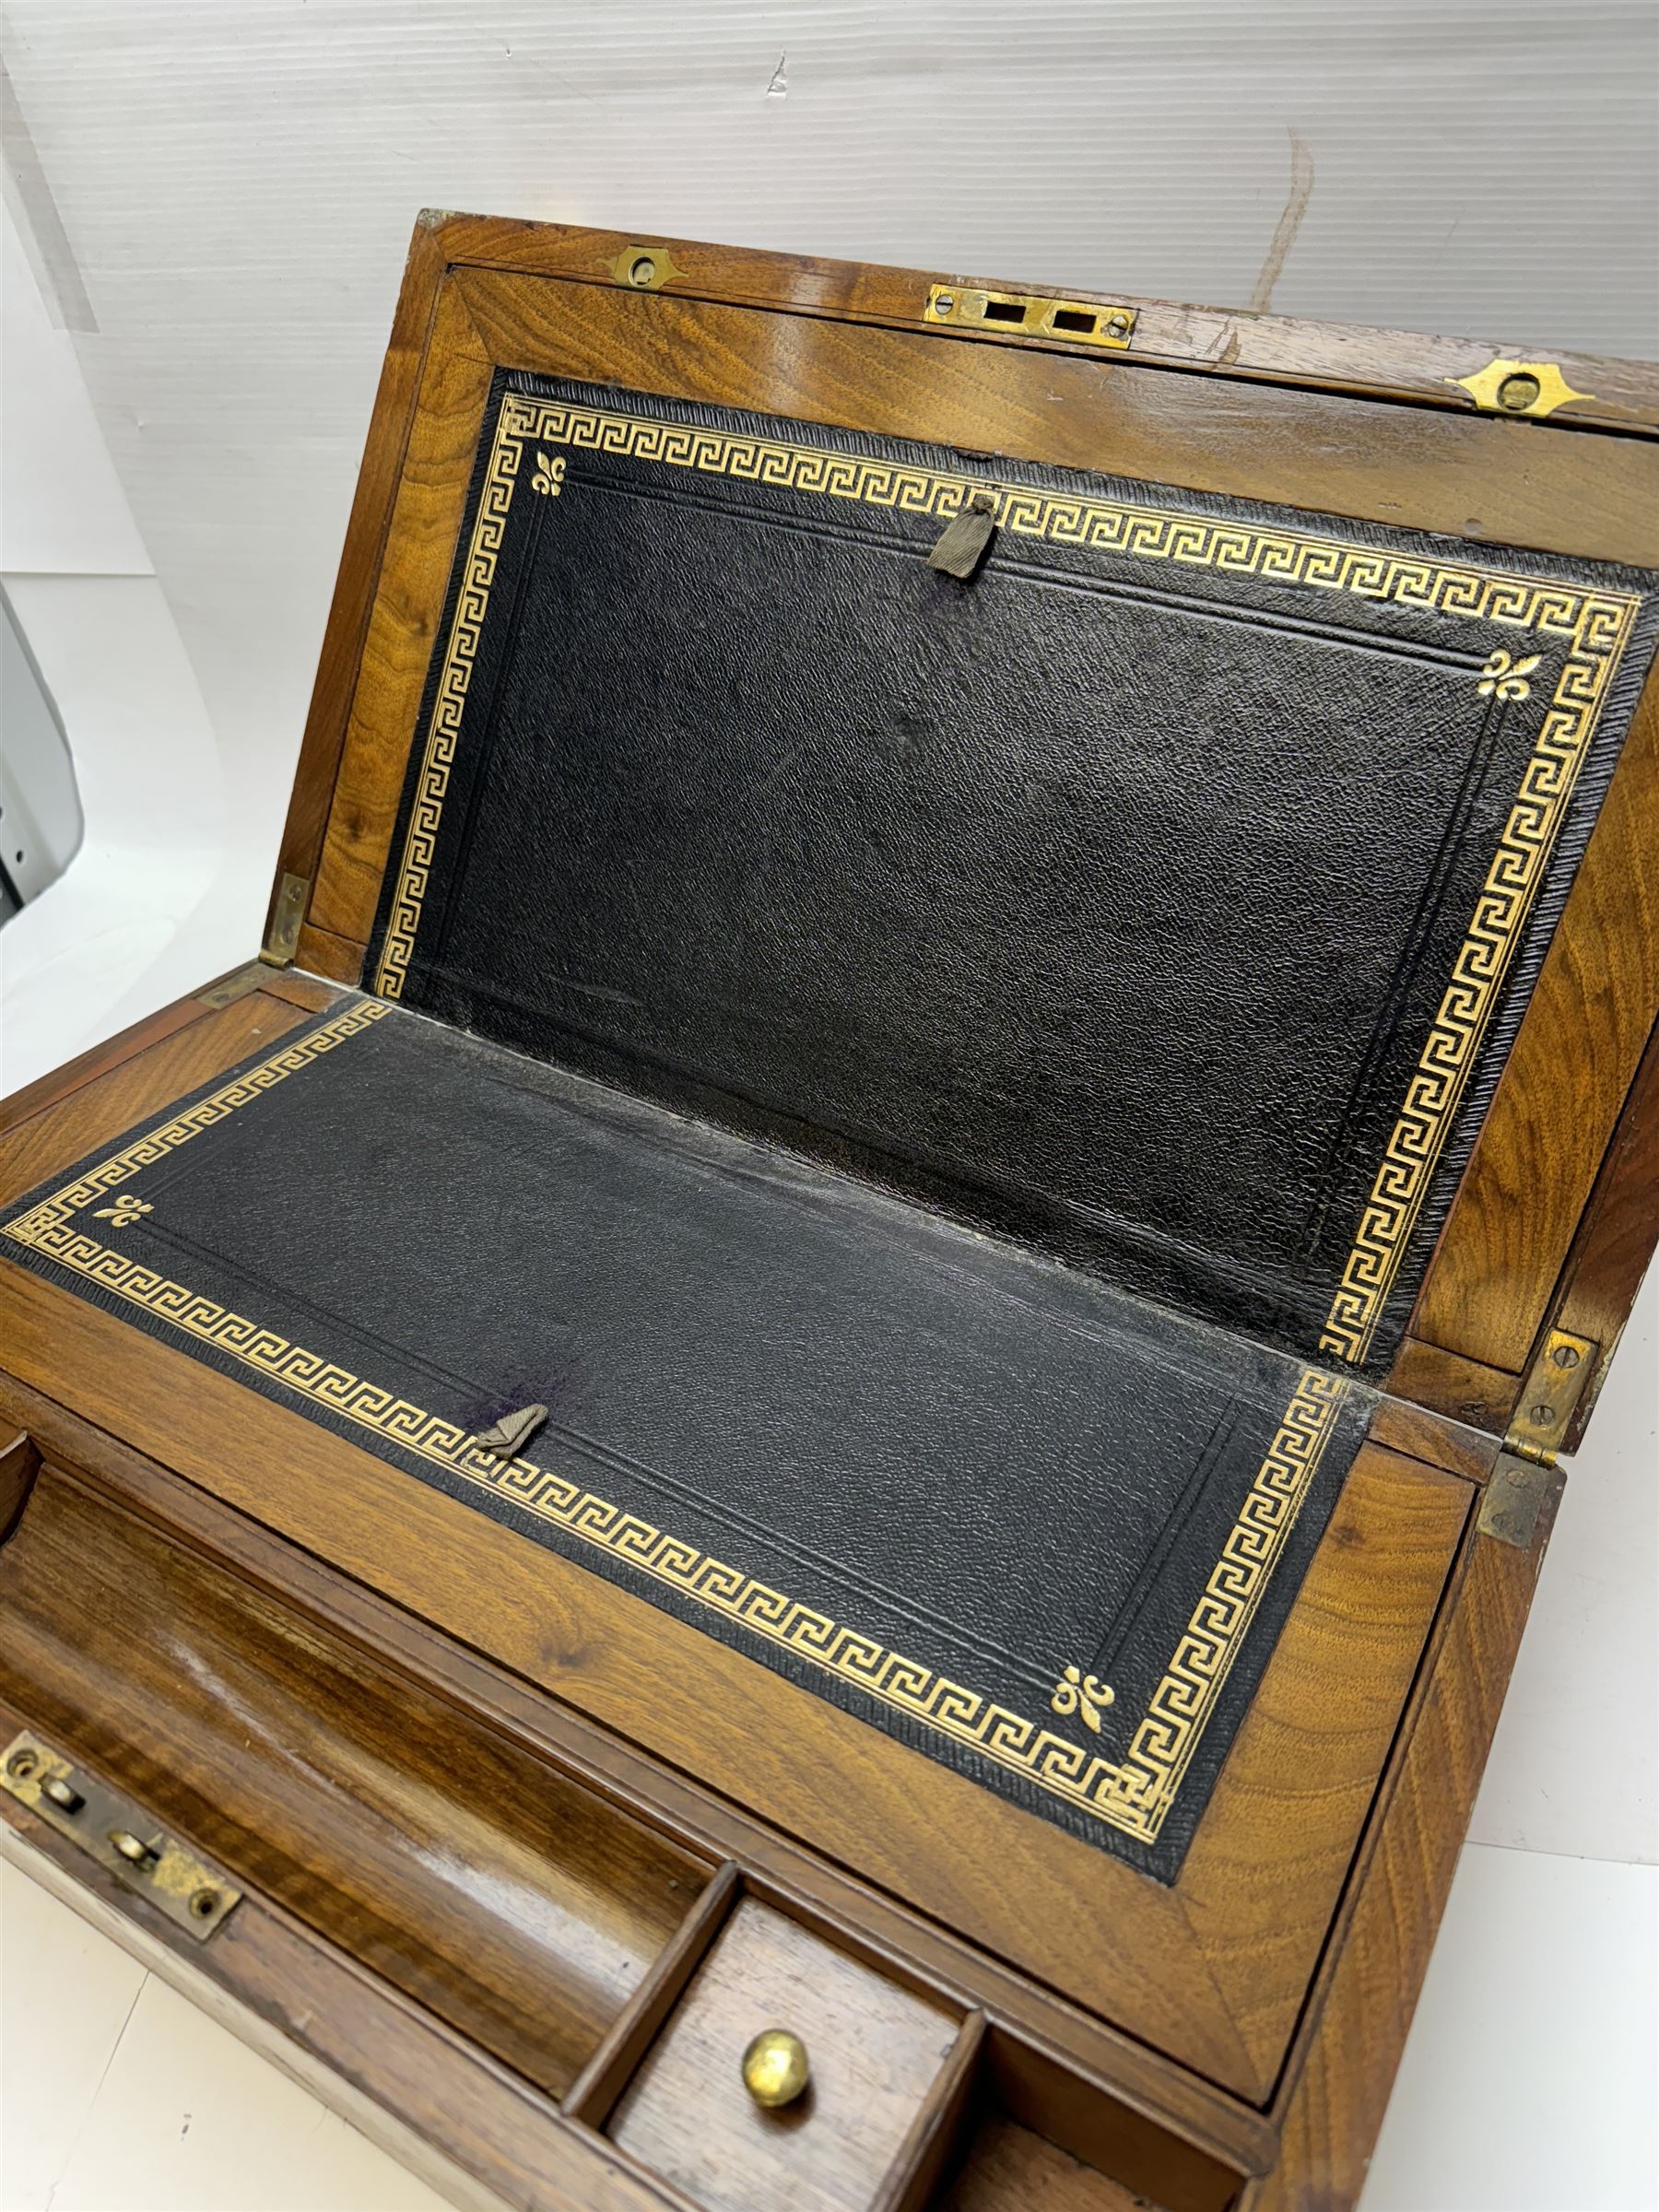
(234, 181)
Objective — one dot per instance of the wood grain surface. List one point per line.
(1336, 2085)
(112, 1093)
(370, 517)
(114, 1052)
(1552, 1118)
(378, 699)
(475, 2131)
(464, 1871)
(1226, 342)
(1614, 1244)
(1011, 2170)
(1469, 477)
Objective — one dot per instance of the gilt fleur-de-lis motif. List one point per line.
(549, 473)
(123, 1211)
(1080, 1693)
(1505, 679)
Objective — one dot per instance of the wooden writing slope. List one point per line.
(512, 1833)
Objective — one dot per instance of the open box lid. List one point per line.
(1238, 884)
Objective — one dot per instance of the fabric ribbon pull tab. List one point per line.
(967, 538)
(508, 1438)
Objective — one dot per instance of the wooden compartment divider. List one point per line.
(606, 2074)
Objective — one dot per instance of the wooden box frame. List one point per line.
(1247, 2020)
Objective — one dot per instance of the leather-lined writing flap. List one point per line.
(1164, 893)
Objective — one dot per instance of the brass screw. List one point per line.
(945, 304)
(1566, 1356)
(1543, 1415)
(1516, 393)
(1118, 325)
(22, 1764)
(775, 2067)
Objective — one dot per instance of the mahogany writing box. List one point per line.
(862, 1327)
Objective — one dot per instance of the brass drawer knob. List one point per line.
(775, 2067)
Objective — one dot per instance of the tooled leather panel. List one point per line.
(1040, 1531)
(1165, 897)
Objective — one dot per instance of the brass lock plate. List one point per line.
(1032, 314)
(119, 1835)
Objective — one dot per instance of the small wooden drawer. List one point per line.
(874, 2050)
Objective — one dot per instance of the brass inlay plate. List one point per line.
(235, 986)
(1032, 314)
(119, 1834)
(1133, 1793)
(645, 268)
(1521, 388)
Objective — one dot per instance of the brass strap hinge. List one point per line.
(119, 1834)
(1526, 1465)
(1555, 1383)
(282, 938)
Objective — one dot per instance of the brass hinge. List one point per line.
(282, 938)
(1525, 1468)
(119, 1835)
(1554, 1386)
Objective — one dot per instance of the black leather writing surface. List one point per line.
(1165, 897)
(1040, 1531)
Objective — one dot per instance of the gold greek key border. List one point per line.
(1596, 634)
(420, 839)
(1133, 1795)
(1595, 625)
